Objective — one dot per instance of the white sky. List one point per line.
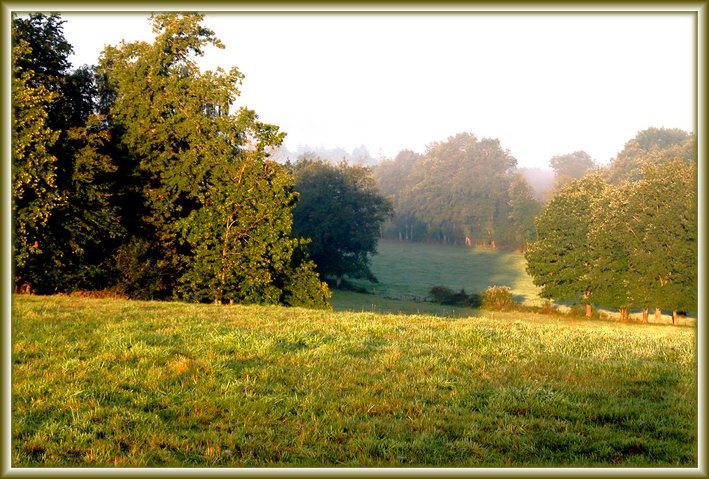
(542, 84)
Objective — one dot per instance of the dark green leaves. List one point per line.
(341, 211)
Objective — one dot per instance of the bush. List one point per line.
(475, 300)
(498, 298)
(440, 294)
(445, 295)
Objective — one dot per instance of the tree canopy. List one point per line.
(571, 166)
(650, 146)
(155, 168)
(341, 211)
(625, 237)
(459, 191)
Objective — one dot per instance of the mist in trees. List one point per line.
(570, 166)
(358, 156)
(461, 191)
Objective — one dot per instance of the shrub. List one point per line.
(498, 298)
(475, 300)
(440, 294)
(445, 295)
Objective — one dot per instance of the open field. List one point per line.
(108, 382)
(409, 270)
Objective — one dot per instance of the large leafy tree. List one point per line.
(459, 189)
(341, 211)
(609, 243)
(571, 166)
(626, 245)
(78, 235)
(662, 228)
(213, 220)
(560, 261)
(650, 146)
(34, 168)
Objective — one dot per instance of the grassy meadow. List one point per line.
(111, 382)
(408, 271)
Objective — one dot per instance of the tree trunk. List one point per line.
(646, 313)
(589, 310)
(624, 314)
(658, 315)
(338, 282)
(674, 316)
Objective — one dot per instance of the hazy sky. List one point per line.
(542, 84)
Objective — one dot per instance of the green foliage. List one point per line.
(571, 166)
(140, 277)
(559, 260)
(34, 168)
(440, 294)
(460, 191)
(498, 298)
(524, 208)
(66, 164)
(445, 295)
(115, 383)
(609, 245)
(214, 212)
(340, 211)
(229, 263)
(137, 176)
(662, 231)
(650, 146)
(630, 244)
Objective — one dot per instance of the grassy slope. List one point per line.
(114, 382)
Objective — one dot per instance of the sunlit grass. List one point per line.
(121, 383)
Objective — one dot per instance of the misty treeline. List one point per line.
(461, 191)
(622, 236)
(139, 177)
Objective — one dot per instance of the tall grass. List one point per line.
(121, 383)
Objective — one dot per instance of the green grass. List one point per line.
(409, 270)
(108, 382)
(362, 303)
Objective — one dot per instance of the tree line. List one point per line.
(139, 176)
(621, 236)
(136, 175)
(461, 191)
(625, 236)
